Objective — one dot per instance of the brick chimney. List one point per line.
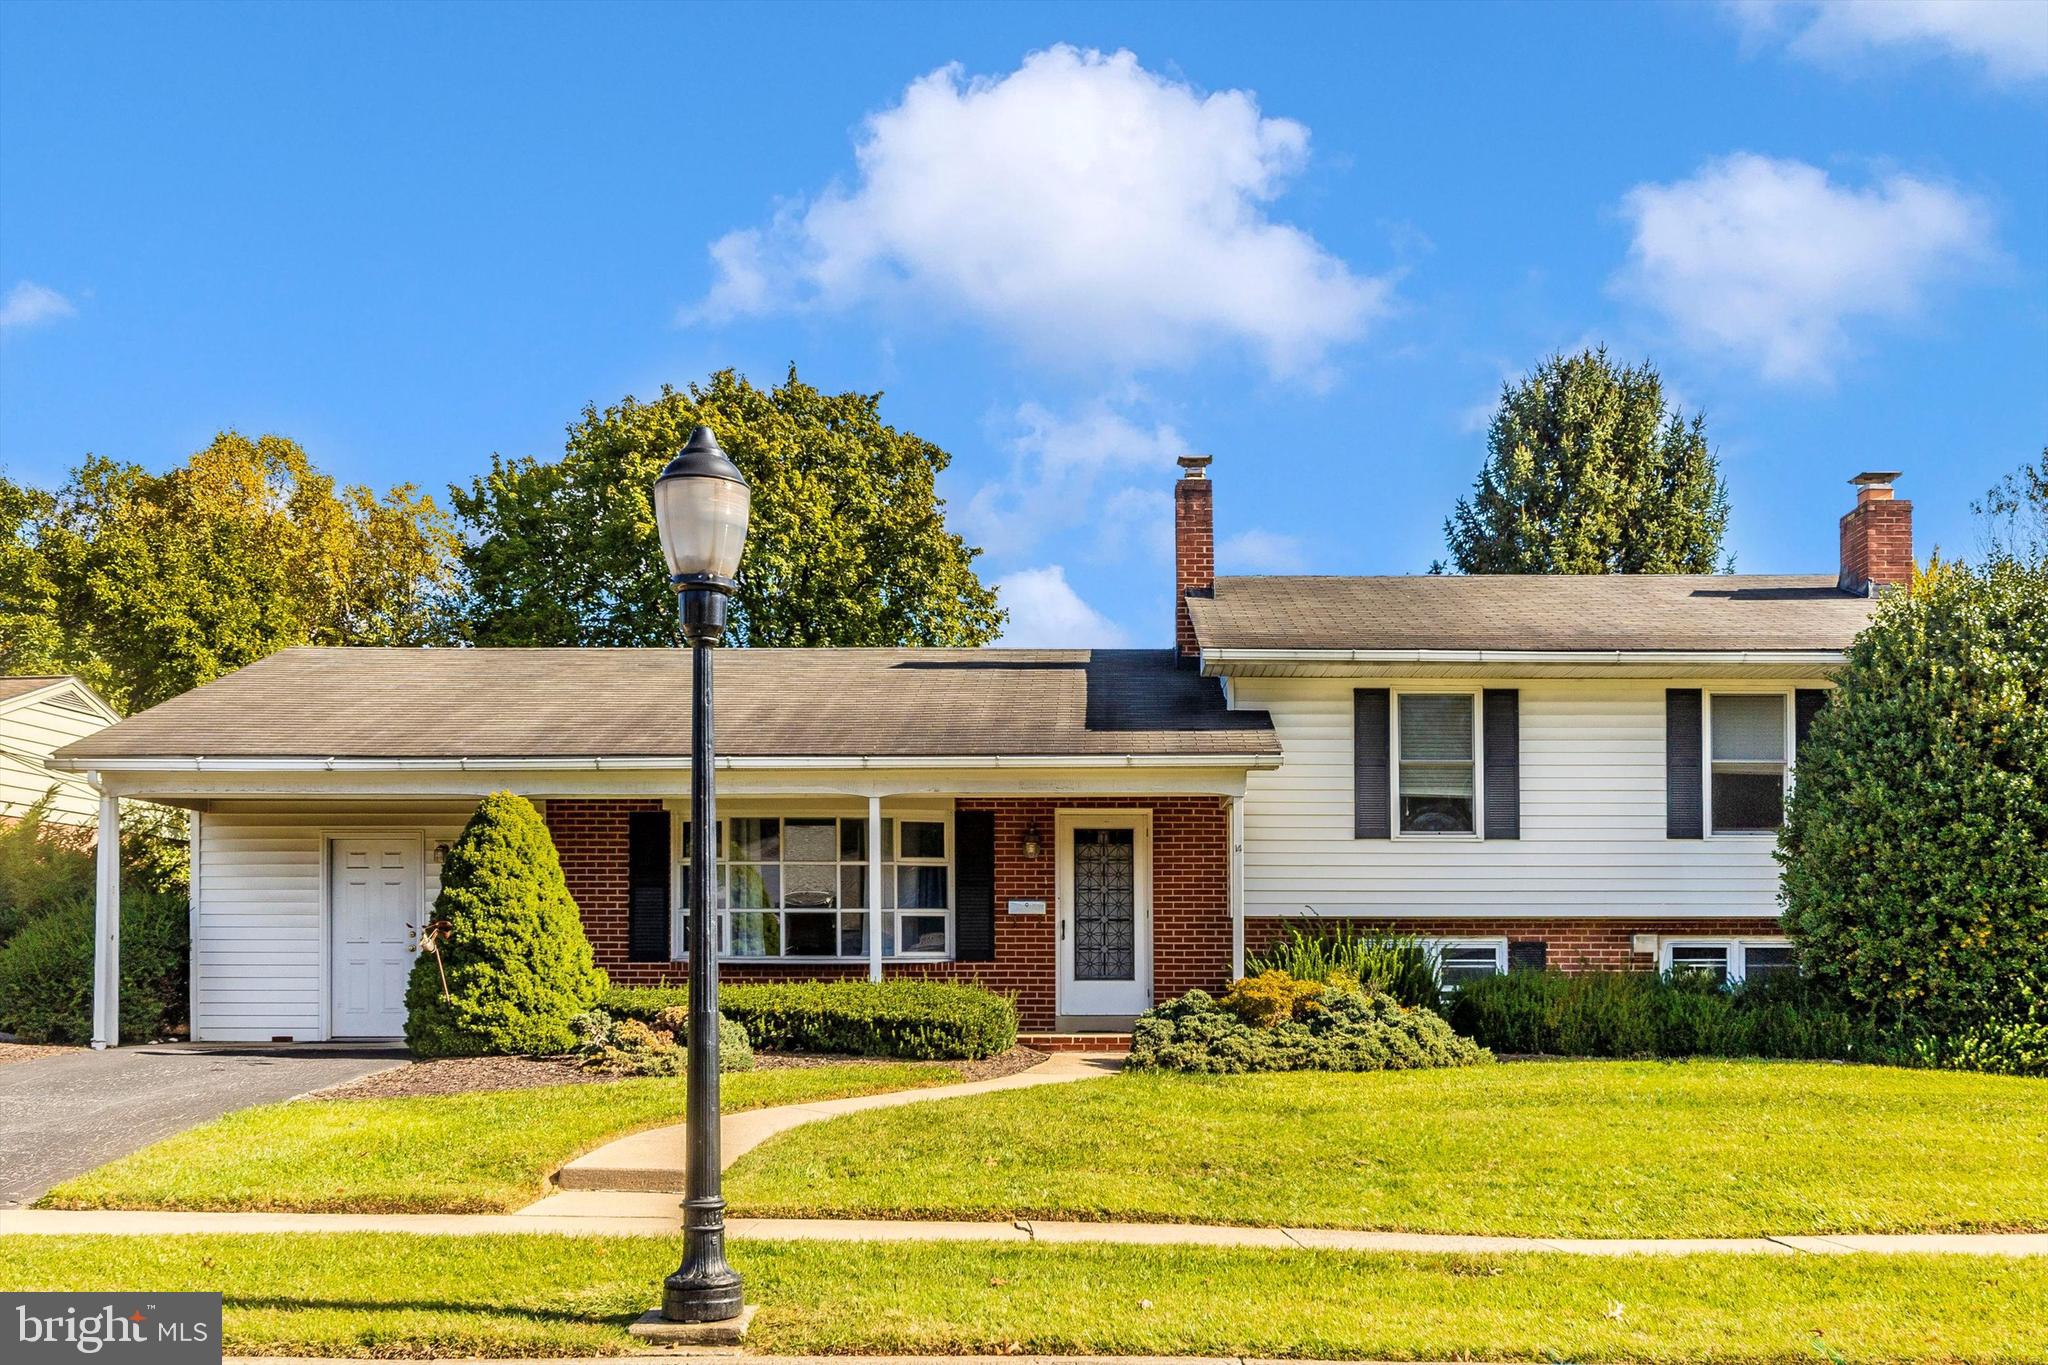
(1877, 536)
(1194, 549)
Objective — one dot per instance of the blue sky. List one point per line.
(1069, 242)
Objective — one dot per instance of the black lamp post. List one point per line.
(701, 504)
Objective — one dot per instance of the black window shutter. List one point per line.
(1528, 955)
(974, 885)
(1683, 817)
(1371, 812)
(1806, 704)
(1503, 743)
(647, 920)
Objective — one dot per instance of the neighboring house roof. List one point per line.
(1531, 612)
(809, 703)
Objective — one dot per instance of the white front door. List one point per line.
(1105, 912)
(375, 894)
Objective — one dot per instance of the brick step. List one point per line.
(1076, 1042)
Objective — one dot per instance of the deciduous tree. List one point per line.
(848, 543)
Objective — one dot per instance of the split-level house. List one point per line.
(1558, 770)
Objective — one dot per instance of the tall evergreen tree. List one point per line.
(1588, 470)
(848, 543)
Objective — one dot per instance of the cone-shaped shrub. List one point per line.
(519, 968)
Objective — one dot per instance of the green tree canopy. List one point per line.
(1589, 471)
(1915, 846)
(150, 584)
(848, 543)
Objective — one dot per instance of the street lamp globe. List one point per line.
(700, 505)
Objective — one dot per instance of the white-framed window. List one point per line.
(1436, 764)
(1459, 960)
(1749, 746)
(796, 886)
(1728, 960)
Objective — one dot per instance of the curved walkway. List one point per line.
(652, 1161)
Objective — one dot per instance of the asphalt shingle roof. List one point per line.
(1532, 612)
(537, 703)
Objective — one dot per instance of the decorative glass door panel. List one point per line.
(1105, 905)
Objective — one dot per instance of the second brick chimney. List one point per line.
(1194, 548)
(1877, 536)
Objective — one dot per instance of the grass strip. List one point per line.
(487, 1152)
(391, 1295)
(1546, 1149)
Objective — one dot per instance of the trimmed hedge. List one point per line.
(1340, 1029)
(46, 971)
(920, 1020)
(1642, 1014)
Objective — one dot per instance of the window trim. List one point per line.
(1477, 834)
(1738, 947)
(1498, 943)
(893, 818)
(1787, 698)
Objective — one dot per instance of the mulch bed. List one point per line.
(28, 1052)
(464, 1075)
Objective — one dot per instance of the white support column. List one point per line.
(106, 928)
(192, 899)
(1236, 886)
(874, 888)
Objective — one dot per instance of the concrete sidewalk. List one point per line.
(621, 1214)
(652, 1161)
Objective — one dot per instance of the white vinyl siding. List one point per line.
(259, 940)
(29, 734)
(1592, 817)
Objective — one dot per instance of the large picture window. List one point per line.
(1438, 750)
(797, 887)
(1746, 749)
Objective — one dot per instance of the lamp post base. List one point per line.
(653, 1327)
(715, 1297)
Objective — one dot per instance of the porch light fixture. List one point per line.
(700, 506)
(1031, 843)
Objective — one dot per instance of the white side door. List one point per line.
(375, 894)
(1105, 912)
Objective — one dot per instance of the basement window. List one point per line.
(1466, 959)
(1727, 961)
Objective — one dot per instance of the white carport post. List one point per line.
(106, 928)
(874, 888)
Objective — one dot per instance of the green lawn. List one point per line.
(1585, 1149)
(487, 1152)
(394, 1295)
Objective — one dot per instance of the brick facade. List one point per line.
(1573, 944)
(1190, 899)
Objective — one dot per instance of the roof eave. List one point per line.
(1339, 663)
(653, 762)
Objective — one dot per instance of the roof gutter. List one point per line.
(634, 763)
(1221, 661)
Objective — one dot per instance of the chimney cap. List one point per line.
(1877, 478)
(1195, 464)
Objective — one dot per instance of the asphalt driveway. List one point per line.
(63, 1115)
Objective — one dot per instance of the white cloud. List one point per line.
(2009, 37)
(29, 304)
(1081, 206)
(1260, 551)
(1061, 467)
(1769, 260)
(1046, 613)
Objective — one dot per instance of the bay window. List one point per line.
(796, 886)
